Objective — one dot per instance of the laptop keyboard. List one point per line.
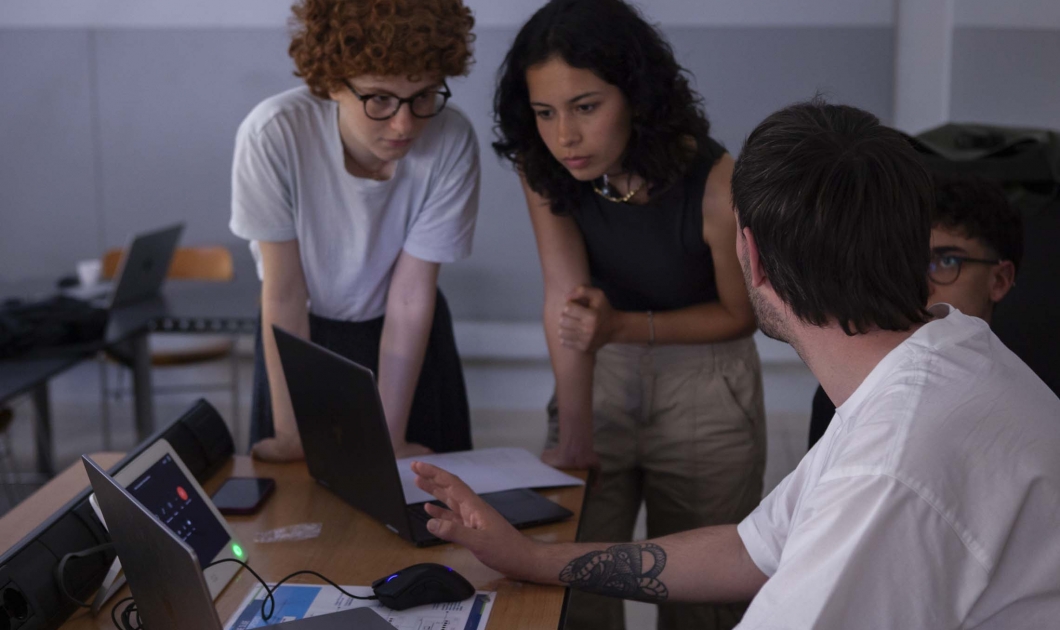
(419, 513)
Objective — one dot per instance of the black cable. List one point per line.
(60, 570)
(269, 591)
(130, 609)
(114, 610)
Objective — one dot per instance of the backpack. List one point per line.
(48, 326)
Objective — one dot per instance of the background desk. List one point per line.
(184, 306)
(352, 548)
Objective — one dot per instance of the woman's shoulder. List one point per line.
(297, 109)
(706, 152)
(450, 136)
(704, 157)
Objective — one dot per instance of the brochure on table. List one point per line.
(298, 601)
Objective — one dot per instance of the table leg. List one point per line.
(144, 403)
(42, 405)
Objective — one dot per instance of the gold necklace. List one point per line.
(608, 192)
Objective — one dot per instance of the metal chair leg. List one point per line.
(9, 479)
(104, 401)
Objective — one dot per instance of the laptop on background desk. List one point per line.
(140, 273)
(348, 449)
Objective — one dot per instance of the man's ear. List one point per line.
(758, 274)
(1002, 279)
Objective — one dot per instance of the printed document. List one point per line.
(298, 601)
(486, 470)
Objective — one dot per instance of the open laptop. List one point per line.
(348, 449)
(141, 272)
(164, 574)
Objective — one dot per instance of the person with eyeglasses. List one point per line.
(976, 248)
(352, 190)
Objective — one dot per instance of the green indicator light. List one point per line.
(238, 550)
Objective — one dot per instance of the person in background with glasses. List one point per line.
(976, 247)
(353, 189)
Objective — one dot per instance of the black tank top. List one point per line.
(652, 256)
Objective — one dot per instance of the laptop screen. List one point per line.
(167, 493)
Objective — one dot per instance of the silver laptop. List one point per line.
(140, 273)
(164, 574)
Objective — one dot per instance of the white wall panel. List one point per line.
(1030, 14)
(258, 13)
(922, 61)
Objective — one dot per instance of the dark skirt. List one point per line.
(439, 418)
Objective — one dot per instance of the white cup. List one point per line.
(89, 272)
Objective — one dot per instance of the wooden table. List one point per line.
(352, 548)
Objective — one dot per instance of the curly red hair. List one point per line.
(334, 40)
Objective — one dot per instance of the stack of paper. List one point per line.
(486, 470)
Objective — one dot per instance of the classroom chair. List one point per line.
(175, 349)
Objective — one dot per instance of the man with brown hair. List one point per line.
(976, 249)
(353, 189)
(933, 501)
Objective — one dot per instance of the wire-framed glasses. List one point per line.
(945, 268)
(425, 104)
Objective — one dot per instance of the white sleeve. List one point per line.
(262, 206)
(765, 530)
(869, 552)
(443, 229)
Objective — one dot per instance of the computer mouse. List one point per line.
(426, 583)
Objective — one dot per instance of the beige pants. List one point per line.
(681, 428)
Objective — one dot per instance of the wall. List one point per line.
(122, 115)
(119, 116)
(1005, 58)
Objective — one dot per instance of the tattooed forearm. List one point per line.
(629, 571)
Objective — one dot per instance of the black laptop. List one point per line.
(348, 450)
(141, 271)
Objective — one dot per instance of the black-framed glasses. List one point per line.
(425, 104)
(946, 268)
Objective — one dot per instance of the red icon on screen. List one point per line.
(182, 493)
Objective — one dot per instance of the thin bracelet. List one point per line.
(651, 328)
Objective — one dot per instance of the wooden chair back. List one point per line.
(211, 263)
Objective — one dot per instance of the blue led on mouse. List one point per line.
(420, 584)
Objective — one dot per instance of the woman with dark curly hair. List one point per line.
(353, 189)
(646, 314)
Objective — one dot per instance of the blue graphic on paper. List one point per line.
(292, 602)
(477, 609)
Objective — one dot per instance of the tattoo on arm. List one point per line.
(628, 570)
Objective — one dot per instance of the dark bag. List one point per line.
(51, 324)
(1026, 162)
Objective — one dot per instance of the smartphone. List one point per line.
(243, 495)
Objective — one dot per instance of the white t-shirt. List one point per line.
(932, 501)
(289, 181)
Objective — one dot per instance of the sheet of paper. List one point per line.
(486, 470)
(298, 601)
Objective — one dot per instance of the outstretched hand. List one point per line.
(410, 449)
(282, 448)
(471, 522)
(584, 459)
